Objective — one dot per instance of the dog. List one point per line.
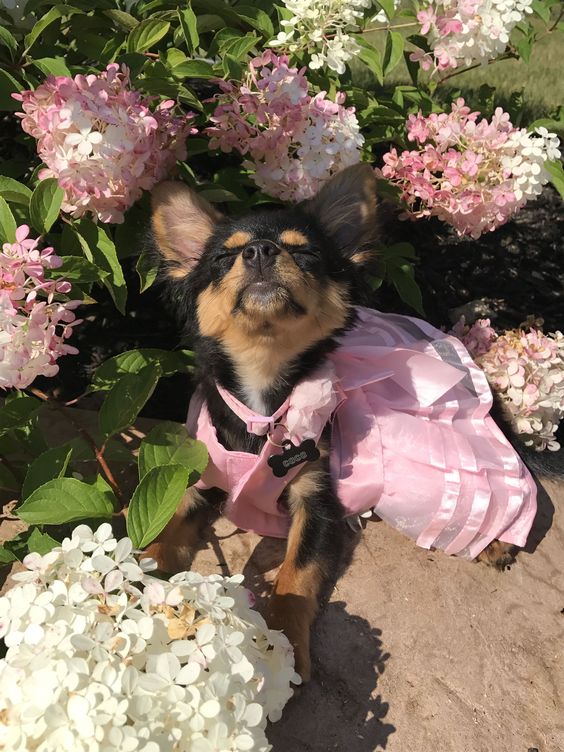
(266, 299)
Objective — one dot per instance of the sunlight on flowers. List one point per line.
(34, 322)
(103, 656)
(526, 369)
(462, 32)
(292, 142)
(101, 141)
(472, 174)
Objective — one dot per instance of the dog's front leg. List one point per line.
(175, 546)
(314, 549)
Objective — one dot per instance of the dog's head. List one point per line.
(272, 284)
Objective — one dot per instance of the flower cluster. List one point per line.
(526, 369)
(467, 31)
(102, 656)
(322, 28)
(101, 141)
(33, 329)
(472, 174)
(293, 142)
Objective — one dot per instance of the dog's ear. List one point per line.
(182, 224)
(347, 210)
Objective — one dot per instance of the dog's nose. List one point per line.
(260, 253)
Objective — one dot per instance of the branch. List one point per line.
(98, 451)
(506, 56)
(390, 27)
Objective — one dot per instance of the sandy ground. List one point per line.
(419, 652)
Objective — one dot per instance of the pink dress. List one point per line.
(411, 440)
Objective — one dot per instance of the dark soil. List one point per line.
(516, 271)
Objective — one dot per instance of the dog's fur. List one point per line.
(263, 298)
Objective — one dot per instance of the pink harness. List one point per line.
(411, 440)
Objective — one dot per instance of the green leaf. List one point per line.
(7, 223)
(154, 501)
(17, 412)
(8, 86)
(388, 7)
(232, 67)
(403, 279)
(189, 25)
(171, 444)
(41, 543)
(45, 204)
(556, 172)
(542, 10)
(6, 556)
(256, 18)
(187, 96)
(147, 268)
(524, 47)
(78, 269)
(52, 66)
(51, 464)
(65, 500)
(238, 47)
(124, 20)
(126, 398)
(403, 250)
(371, 57)
(52, 15)
(218, 195)
(8, 40)
(393, 52)
(133, 361)
(146, 34)
(11, 190)
(100, 250)
(194, 69)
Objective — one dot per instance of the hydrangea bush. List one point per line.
(103, 656)
(526, 370)
(248, 103)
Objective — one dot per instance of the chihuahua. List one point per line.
(265, 299)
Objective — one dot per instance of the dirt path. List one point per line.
(420, 652)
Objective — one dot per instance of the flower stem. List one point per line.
(390, 27)
(98, 451)
(506, 56)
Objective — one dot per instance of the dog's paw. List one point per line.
(499, 555)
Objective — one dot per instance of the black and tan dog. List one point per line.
(263, 298)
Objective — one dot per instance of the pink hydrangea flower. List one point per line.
(462, 32)
(100, 139)
(473, 174)
(526, 369)
(293, 142)
(34, 324)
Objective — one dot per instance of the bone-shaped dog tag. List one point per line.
(293, 455)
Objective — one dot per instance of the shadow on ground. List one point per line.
(340, 709)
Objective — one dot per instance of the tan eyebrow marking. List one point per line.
(238, 238)
(293, 237)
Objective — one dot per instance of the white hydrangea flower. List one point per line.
(102, 657)
(322, 27)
